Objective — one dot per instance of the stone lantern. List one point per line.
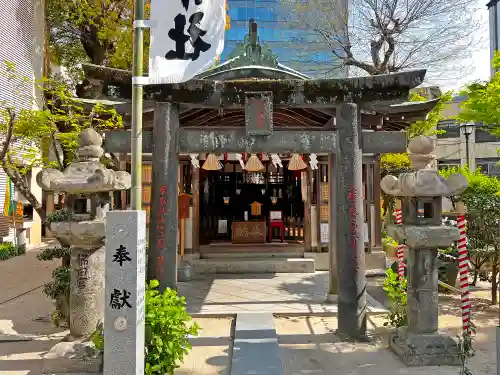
(421, 192)
(85, 180)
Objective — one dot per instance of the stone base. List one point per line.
(321, 260)
(184, 272)
(376, 260)
(332, 298)
(74, 357)
(424, 349)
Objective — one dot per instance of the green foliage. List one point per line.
(389, 241)
(59, 285)
(51, 125)
(396, 164)
(54, 253)
(483, 102)
(482, 201)
(97, 337)
(466, 349)
(396, 292)
(57, 216)
(168, 326)
(58, 288)
(429, 125)
(95, 31)
(7, 250)
(57, 123)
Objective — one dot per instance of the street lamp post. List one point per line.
(467, 130)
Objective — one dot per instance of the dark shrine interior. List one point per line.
(228, 193)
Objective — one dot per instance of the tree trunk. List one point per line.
(24, 190)
(476, 274)
(494, 285)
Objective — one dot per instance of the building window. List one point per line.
(448, 163)
(482, 136)
(489, 166)
(451, 128)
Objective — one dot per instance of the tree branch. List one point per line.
(18, 181)
(10, 132)
(56, 152)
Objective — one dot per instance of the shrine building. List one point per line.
(252, 210)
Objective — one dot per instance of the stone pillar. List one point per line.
(86, 289)
(307, 211)
(125, 296)
(162, 253)
(377, 196)
(333, 282)
(350, 240)
(423, 290)
(196, 209)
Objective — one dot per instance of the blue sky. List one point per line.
(480, 62)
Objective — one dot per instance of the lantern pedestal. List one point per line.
(424, 349)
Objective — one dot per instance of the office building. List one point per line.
(294, 45)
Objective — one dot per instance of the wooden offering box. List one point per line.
(248, 232)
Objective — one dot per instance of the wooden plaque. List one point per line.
(259, 113)
(183, 206)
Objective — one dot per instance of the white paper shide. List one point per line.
(187, 36)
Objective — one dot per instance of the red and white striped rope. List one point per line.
(401, 247)
(463, 267)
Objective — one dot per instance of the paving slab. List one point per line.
(282, 293)
(310, 346)
(256, 350)
(211, 350)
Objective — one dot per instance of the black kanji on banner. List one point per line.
(194, 35)
(185, 3)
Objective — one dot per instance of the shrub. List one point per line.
(7, 250)
(56, 216)
(168, 327)
(396, 292)
(58, 288)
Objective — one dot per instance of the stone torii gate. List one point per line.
(345, 142)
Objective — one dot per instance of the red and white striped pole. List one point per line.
(463, 267)
(401, 247)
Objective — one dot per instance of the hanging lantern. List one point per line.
(296, 163)
(212, 163)
(226, 200)
(274, 200)
(254, 164)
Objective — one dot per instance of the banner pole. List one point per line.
(137, 98)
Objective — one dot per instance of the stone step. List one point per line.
(253, 265)
(239, 255)
(256, 348)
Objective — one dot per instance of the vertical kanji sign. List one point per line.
(124, 313)
(187, 36)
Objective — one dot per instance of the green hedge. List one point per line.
(7, 250)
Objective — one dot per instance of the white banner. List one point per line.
(187, 36)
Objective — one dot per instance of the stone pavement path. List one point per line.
(309, 345)
(282, 293)
(25, 310)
